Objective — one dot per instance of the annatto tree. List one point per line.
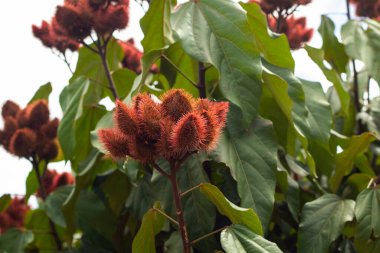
(214, 145)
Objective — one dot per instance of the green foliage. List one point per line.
(284, 174)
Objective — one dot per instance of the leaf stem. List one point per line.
(159, 169)
(179, 70)
(201, 80)
(190, 190)
(207, 235)
(166, 216)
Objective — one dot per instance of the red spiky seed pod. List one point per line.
(176, 103)
(23, 143)
(188, 134)
(149, 116)
(10, 127)
(212, 130)
(63, 179)
(37, 114)
(49, 151)
(142, 149)
(10, 109)
(50, 129)
(132, 57)
(221, 110)
(22, 118)
(115, 143)
(117, 17)
(96, 4)
(13, 216)
(75, 24)
(125, 118)
(163, 144)
(140, 99)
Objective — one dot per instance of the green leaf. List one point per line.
(116, 188)
(151, 225)
(36, 220)
(240, 239)
(374, 123)
(367, 212)
(54, 202)
(322, 222)
(277, 106)
(5, 200)
(318, 55)
(217, 32)
(15, 240)
(123, 79)
(274, 47)
(81, 114)
(333, 49)
(156, 25)
(42, 93)
(251, 154)
(344, 161)
(236, 214)
(361, 41)
(199, 212)
(368, 246)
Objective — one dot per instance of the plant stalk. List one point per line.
(43, 196)
(202, 80)
(360, 127)
(179, 210)
(102, 54)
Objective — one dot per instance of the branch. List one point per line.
(165, 215)
(179, 70)
(207, 235)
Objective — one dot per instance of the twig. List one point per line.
(201, 80)
(159, 169)
(179, 70)
(207, 235)
(190, 190)
(166, 215)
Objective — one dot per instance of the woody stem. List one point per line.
(202, 80)
(43, 196)
(102, 51)
(179, 210)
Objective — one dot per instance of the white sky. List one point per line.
(25, 64)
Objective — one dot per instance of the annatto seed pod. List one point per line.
(142, 149)
(10, 109)
(49, 151)
(10, 127)
(212, 130)
(96, 4)
(23, 142)
(63, 179)
(163, 145)
(125, 118)
(117, 17)
(188, 133)
(37, 114)
(50, 129)
(176, 103)
(76, 25)
(115, 142)
(149, 117)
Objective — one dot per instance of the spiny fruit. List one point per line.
(171, 128)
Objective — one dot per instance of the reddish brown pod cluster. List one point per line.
(367, 8)
(76, 19)
(13, 216)
(272, 6)
(295, 29)
(28, 132)
(132, 57)
(172, 128)
(53, 36)
(52, 180)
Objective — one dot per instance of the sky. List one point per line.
(25, 65)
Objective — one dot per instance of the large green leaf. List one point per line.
(322, 222)
(251, 156)
(240, 239)
(361, 41)
(276, 106)
(334, 50)
(54, 202)
(367, 212)
(344, 161)
(274, 47)
(42, 93)
(81, 114)
(151, 225)
(15, 240)
(37, 221)
(374, 123)
(199, 212)
(236, 214)
(318, 55)
(156, 25)
(217, 32)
